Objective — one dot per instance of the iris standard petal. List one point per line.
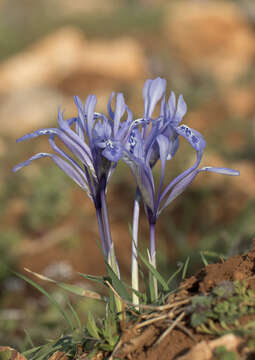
(119, 112)
(90, 105)
(74, 139)
(80, 123)
(180, 111)
(172, 104)
(156, 91)
(146, 98)
(109, 106)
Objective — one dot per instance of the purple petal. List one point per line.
(180, 111)
(195, 139)
(181, 176)
(174, 145)
(143, 177)
(146, 98)
(164, 144)
(218, 170)
(109, 106)
(172, 104)
(90, 105)
(124, 129)
(74, 140)
(179, 188)
(80, 123)
(113, 151)
(119, 112)
(73, 162)
(156, 91)
(66, 167)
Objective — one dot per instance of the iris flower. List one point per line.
(96, 147)
(158, 138)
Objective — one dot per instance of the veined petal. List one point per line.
(219, 170)
(80, 123)
(174, 145)
(74, 164)
(109, 106)
(65, 166)
(90, 105)
(124, 128)
(146, 98)
(75, 140)
(180, 111)
(164, 147)
(163, 143)
(172, 104)
(119, 112)
(143, 177)
(195, 139)
(156, 91)
(179, 189)
(113, 150)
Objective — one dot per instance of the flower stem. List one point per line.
(106, 221)
(134, 266)
(153, 255)
(101, 230)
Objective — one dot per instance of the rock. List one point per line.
(68, 8)
(211, 37)
(7, 353)
(204, 350)
(240, 101)
(28, 110)
(121, 59)
(44, 63)
(65, 53)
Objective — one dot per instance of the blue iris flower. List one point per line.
(95, 145)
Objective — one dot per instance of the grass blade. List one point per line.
(203, 258)
(174, 275)
(77, 290)
(75, 315)
(185, 268)
(51, 298)
(117, 283)
(92, 327)
(154, 272)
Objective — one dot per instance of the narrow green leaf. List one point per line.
(92, 327)
(185, 268)
(151, 288)
(117, 283)
(27, 352)
(174, 275)
(97, 279)
(28, 338)
(205, 262)
(77, 290)
(154, 272)
(51, 299)
(75, 315)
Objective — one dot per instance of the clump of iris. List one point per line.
(97, 142)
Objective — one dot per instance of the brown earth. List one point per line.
(144, 342)
(166, 334)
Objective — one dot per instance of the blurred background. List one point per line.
(52, 50)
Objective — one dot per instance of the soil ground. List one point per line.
(141, 346)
